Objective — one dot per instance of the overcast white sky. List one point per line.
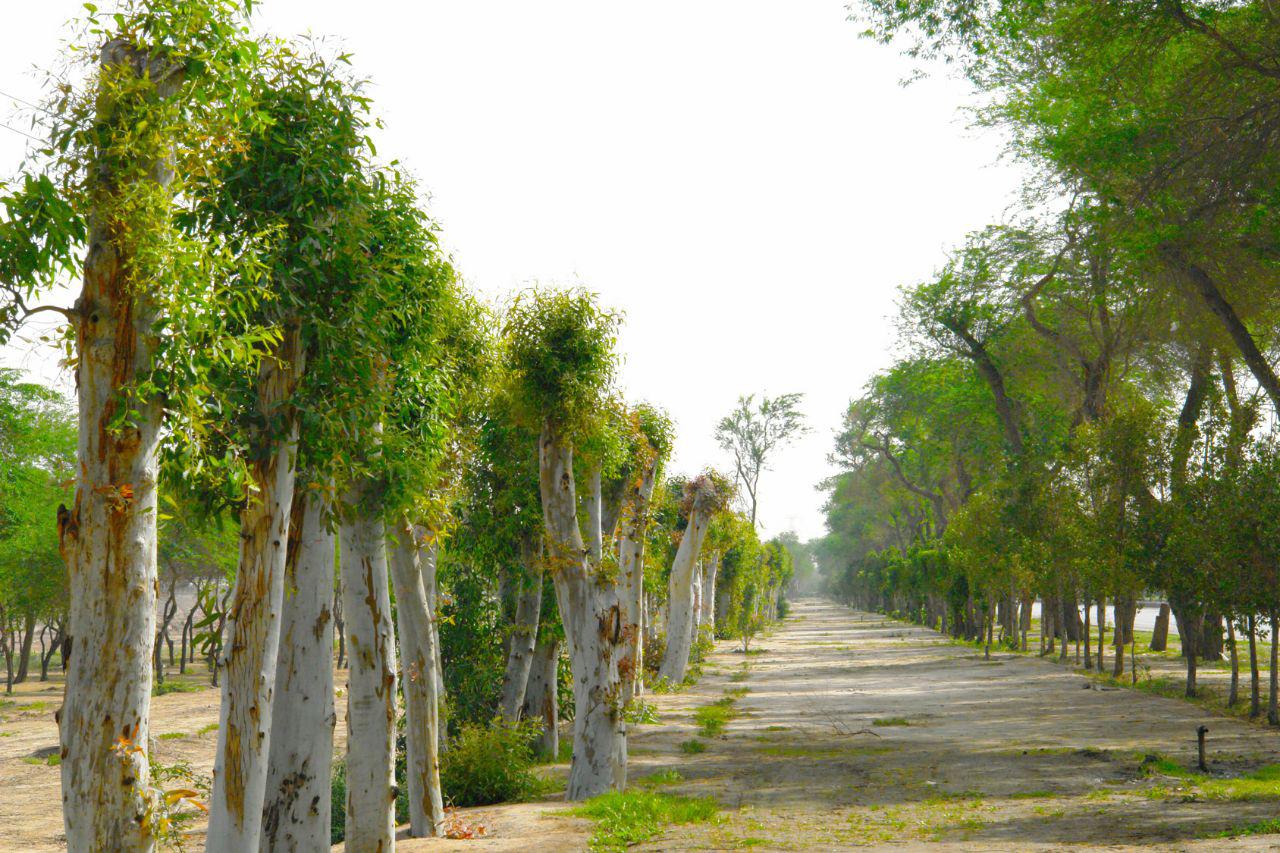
(745, 179)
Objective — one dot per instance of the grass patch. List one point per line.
(172, 736)
(623, 819)
(712, 719)
(777, 728)
(175, 687)
(49, 761)
(204, 730)
(662, 777)
(1031, 795)
(1257, 785)
(1262, 827)
(890, 721)
(692, 746)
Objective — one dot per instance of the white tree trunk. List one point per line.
(108, 537)
(253, 622)
(371, 688)
(595, 516)
(418, 659)
(633, 522)
(680, 624)
(524, 631)
(297, 811)
(592, 616)
(541, 701)
(695, 588)
(710, 569)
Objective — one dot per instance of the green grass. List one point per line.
(692, 746)
(204, 730)
(633, 817)
(175, 687)
(890, 721)
(172, 735)
(1257, 785)
(1262, 827)
(51, 761)
(662, 777)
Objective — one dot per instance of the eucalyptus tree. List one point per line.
(398, 392)
(650, 445)
(705, 496)
(289, 194)
(560, 346)
(443, 360)
(161, 81)
(753, 432)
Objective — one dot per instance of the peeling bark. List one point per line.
(540, 699)
(371, 691)
(251, 653)
(524, 630)
(108, 537)
(412, 570)
(633, 522)
(680, 621)
(297, 809)
(592, 614)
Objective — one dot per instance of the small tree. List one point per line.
(751, 433)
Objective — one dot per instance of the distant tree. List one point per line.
(752, 433)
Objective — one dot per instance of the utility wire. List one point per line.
(23, 133)
(26, 103)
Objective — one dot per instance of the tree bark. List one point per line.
(1160, 636)
(633, 523)
(371, 690)
(108, 538)
(541, 701)
(297, 806)
(710, 569)
(592, 615)
(412, 569)
(1233, 695)
(250, 655)
(524, 630)
(680, 625)
(1255, 699)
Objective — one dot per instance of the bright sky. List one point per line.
(745, 179)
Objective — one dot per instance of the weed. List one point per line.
(890, 721)
(632, 817)
(692, 746)
(640, 712)
(172, 736)
(662, 777)
(175, 687)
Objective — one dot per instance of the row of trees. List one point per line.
(268, 331)
(1084, 405)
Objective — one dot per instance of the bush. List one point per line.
(490, 764)
(654, 651)
(338, 796)
(784, 607)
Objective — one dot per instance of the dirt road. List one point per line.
(856, 730)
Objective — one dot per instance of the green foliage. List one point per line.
(633, 817)
(693, 746)
(488, 764)
(560, 348)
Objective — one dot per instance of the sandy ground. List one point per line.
(1015, 753)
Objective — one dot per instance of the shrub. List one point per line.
(654, 651)
(490, 764)
(692, 746)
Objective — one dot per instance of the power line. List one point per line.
(23, 133)
(26, 103)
